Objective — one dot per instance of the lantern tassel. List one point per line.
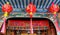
(6, 14)
(31, 27)
(31, 14)
(3, 30)
(56, 22)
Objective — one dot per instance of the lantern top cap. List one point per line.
(7, 2)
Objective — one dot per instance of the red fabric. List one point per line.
(7, 8)
(41, 23)
(53, 8)
(17, 23)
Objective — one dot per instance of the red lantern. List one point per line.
(54, 8)
(31, 9)
(7, 8)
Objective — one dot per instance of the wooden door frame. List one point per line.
(50, 22)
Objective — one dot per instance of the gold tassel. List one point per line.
(54, 13)
(5, 14)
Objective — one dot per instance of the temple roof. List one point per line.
(24, 3)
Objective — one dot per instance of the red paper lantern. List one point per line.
(7, 8)
(54, 8)
(31, 9)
